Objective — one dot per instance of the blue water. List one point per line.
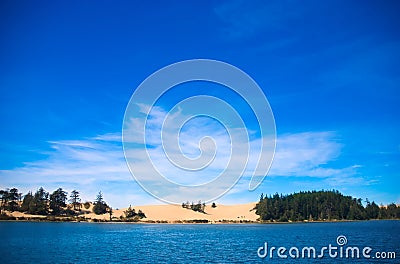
(24, 242)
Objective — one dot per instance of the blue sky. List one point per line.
(329, 70)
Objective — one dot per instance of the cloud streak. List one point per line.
(98, 163)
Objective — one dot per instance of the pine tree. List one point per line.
(58, 200)
(130, 212)
(4, 195)
(39, 203)
(100, 206)
(26, 201)
(13, 197)
(75, 200)
(141, 214)
(372, 210)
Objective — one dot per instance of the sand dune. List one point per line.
(175, 213)
(221, 212)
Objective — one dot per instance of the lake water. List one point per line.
(25, 242)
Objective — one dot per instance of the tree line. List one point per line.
(321, 206)
(58, 203)
(45, 203)
(198, 207)
(132, 216)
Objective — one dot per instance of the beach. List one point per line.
(169, 213)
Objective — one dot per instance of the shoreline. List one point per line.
(166, 214)
(189, 222)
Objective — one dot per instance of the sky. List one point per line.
(328, 69)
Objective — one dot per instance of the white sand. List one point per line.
(175, 213)
(172, 213)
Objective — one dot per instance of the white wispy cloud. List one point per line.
(306, 154)
(98, 163)
(88, 165)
